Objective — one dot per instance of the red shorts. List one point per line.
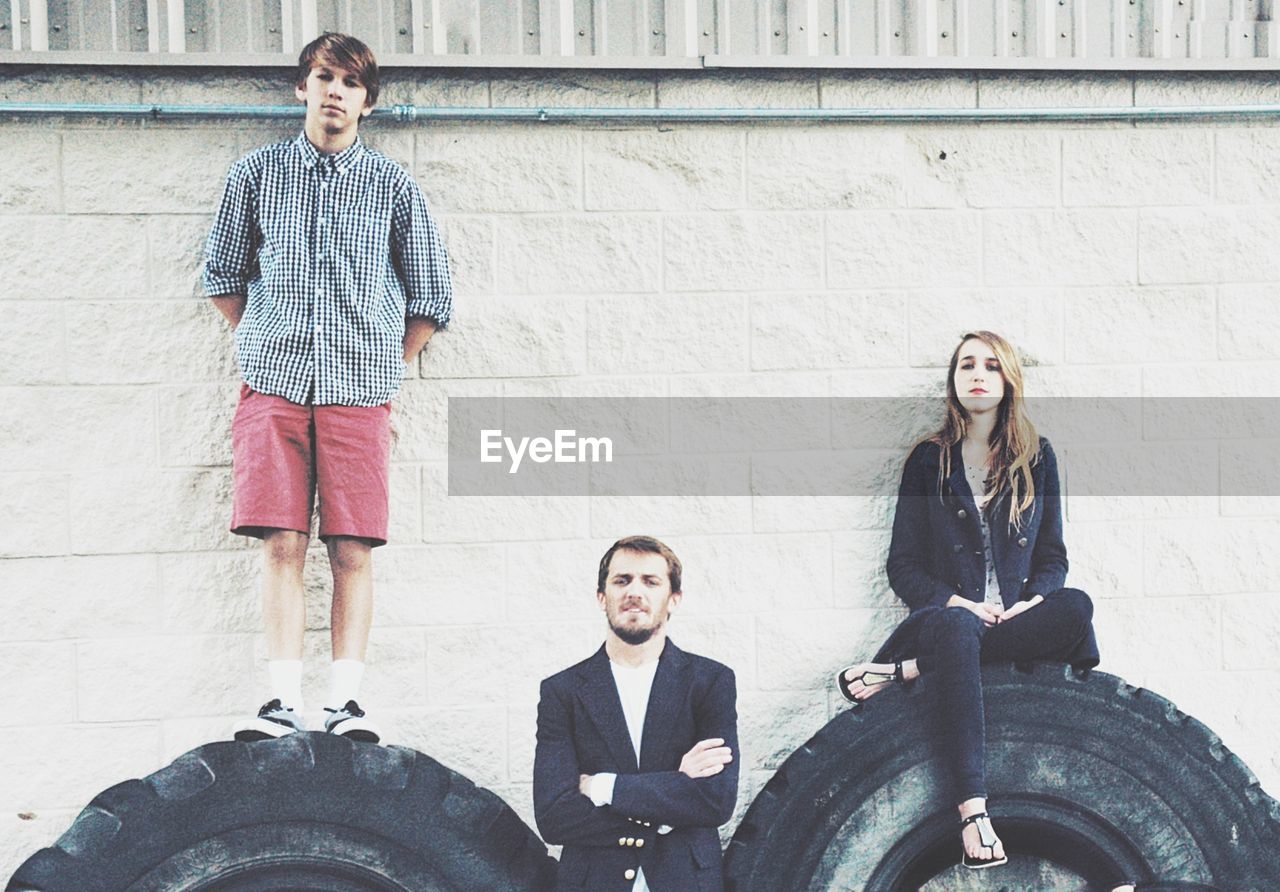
(285, 455)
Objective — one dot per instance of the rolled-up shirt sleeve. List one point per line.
(420, 259)
(230, 254)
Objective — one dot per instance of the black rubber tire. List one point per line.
(1085, 772)
(308, 811)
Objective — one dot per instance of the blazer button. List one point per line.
(622, 840)
(639, 843)
(1022, 542)
(631, 840)
(962, 514)
(957, 548)
(629, 874)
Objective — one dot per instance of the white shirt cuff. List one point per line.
(600, 788)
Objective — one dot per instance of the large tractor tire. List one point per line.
(1092, 782)
(308, 811)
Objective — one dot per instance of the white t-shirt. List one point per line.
(634, 684)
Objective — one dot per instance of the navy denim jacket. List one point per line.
(937, 552)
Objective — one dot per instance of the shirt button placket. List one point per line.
(319, 254)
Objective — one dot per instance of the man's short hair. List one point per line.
(646, 544)
(345, 51)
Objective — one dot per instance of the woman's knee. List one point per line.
(1075, 603)
(956, 622)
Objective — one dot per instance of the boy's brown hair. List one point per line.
(345, 51)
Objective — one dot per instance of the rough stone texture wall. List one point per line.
(639, 260)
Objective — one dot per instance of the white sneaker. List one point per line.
(272, 720)
(350, 721)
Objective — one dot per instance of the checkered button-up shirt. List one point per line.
(332, 253)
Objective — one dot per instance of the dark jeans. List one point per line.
(953, 643)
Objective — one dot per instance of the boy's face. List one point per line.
(335, 98)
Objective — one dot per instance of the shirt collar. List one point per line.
(341, 161)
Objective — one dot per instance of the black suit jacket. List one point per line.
(937, 550)
(581, 730)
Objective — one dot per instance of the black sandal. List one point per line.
(986, 837)
(868, 678)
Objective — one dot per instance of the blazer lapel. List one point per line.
(1003, 550)
(599, 696)
(959, 484)
(998, 520)
(671, 685)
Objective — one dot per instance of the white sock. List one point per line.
(286, 682)
(344, 682)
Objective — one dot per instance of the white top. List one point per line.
(992, 595)
(977, 477)
(634, 684)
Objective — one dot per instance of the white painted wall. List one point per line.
(712, 259)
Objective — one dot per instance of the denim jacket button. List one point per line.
(962, 514)
(1022, 542)
(957, 548)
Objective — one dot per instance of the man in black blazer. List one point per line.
(631, 824)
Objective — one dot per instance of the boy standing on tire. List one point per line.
(635, 766)
(325, 261)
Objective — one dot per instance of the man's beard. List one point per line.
(634, 635)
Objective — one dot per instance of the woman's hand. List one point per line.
(1020, 607)
(989, 614)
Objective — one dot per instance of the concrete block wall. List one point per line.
(780, 259)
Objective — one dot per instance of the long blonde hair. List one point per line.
(1014, 443)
